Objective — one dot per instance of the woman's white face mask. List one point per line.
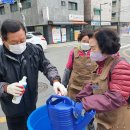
(84, 46)
(18, 48)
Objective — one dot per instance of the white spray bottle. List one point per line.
(17, 99)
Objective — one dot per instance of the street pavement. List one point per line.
(58, 54)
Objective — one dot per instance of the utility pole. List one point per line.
(119, 10)
(22, 14)
(100, 14)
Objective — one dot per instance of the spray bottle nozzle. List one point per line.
(24, 78)
(23, 81)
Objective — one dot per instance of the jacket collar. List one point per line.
(11, 55)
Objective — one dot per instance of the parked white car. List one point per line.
(36, 38)
(1, 43)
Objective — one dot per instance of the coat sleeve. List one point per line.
(68, 69)
(47, 68)
(66, 77)
(116, 96)
(108, 101)
(2, 84)
(69, 64)
(85, 92)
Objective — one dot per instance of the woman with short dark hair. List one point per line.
(76, 74)
(79, 67)
(108, 41)
(109, 90)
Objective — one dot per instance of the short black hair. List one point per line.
(12, 26)
(108, 40)
(84, 33)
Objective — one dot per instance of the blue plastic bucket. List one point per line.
(39, 120)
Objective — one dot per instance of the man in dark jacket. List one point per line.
(18, 59)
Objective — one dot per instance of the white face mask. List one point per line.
(18, 48)
(97, 56)
(84, 46)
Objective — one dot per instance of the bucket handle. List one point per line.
(62, 98)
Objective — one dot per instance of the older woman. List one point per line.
(79, 66)
(109, 90)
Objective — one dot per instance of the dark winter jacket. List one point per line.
(14, 67)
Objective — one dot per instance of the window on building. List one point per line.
(97, 11)
(72, 6)
(2, 10)
(114, 3)
(14, 7)
(113, 15)
(63, 3)
(26, 4)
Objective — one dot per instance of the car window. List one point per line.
(36, 33)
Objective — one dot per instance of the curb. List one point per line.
(62, 44)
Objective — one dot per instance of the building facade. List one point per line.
(98, 12)
(120, 15)
(58, 20)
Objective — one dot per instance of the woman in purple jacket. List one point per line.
(109, 90)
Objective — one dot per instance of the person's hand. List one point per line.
(15, 89)
(78, 110)
(59, 89)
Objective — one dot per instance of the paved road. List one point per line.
(58, 55)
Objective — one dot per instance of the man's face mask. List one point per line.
(18, 48)
(84, 46)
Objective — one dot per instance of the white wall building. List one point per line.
(58, 20)
(98, 12)
(121, 10)
(121, 15)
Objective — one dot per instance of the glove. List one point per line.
(15, 89)
(78, 110)
(59, 88)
